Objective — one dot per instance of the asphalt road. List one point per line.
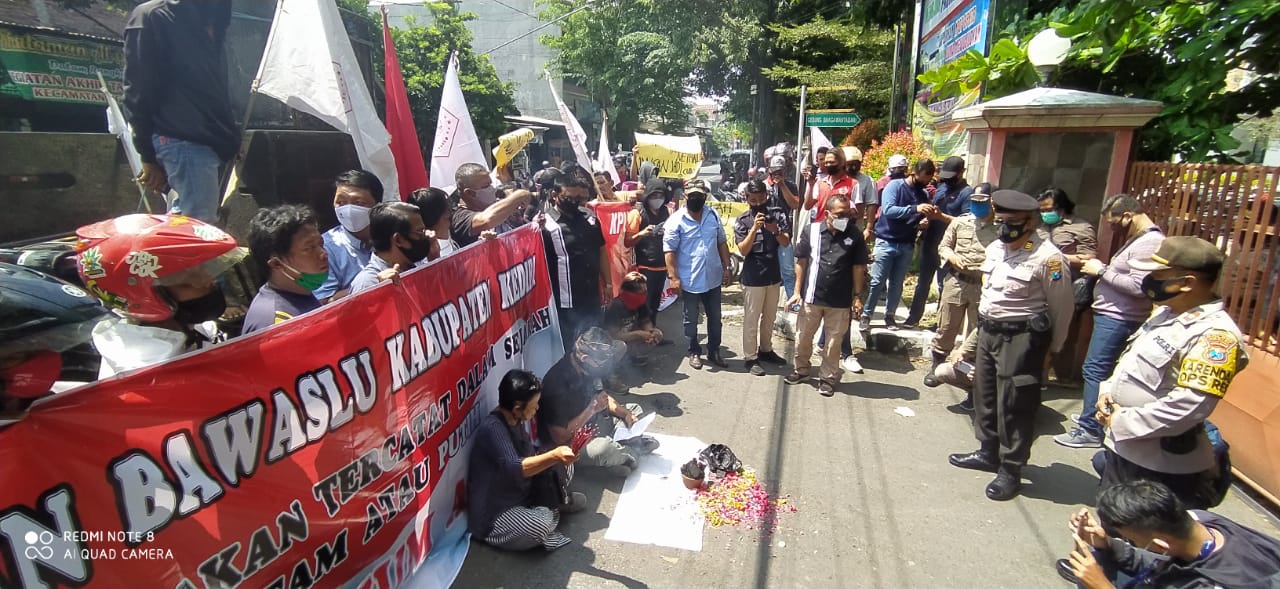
(877, 503)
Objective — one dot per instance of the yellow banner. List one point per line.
(511, 144)
(675, 156)
(729, 212)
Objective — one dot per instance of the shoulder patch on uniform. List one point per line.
(1054, 265)
(1028, 246)
(1211, 364)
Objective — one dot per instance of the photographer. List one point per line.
(644, 235)
(760, 233)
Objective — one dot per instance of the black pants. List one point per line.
(1006, 393)
(657, 282)
(1196, 490)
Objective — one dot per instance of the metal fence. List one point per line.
(1235, 207)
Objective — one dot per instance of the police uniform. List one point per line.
(1024, 313)
(1168, 381)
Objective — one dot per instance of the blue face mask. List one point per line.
(980, 210)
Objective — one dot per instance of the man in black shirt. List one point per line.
(759, 233)
(577, 257)
(480, 212)
(175, 98)
(573, 397)
(629, 319)
(831, 260)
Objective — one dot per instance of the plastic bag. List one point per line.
(720, 459)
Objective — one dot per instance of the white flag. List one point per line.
(577, 137)
(817, 139)
(456, 140)
(604, 160)
(309, 65)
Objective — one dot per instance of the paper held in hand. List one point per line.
(626, 433)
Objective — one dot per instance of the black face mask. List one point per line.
(895, 174)
(695, 204)
(1010, 232)
(1155, 289)
(568, 207)
(760, 208)
(418, 251)
(853, 169)
(205, 308)
(833, 169)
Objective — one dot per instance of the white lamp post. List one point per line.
(1045, 51)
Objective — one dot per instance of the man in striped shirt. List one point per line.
(577, 258)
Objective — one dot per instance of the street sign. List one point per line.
(831, 119)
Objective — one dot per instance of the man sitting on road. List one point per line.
(574, 397)
(628, 318)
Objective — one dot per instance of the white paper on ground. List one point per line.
(654, 506)
(626, 433)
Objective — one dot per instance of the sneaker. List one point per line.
(771, 358)
(794, 378)
(714, 358)
(1075, 418)
(912, 324)
(864, 324)
(577, 502)
(825, 388)
(754, 367)
(850, 364)
(695, 361)
(891, 324)
(1079, 438)
(966, 405)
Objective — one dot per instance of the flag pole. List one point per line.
(142, 190)
(248, 110)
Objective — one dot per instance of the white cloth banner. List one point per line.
(456, 142)
(604, 159)
(309, 65)
(817, 139)
(577, 137)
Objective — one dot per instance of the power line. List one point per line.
(586, 5)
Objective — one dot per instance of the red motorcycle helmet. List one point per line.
(126, 260)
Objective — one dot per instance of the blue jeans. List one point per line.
(787, 261)
(1110, 335)
(710, 302)
(888, 270)
(194, 172)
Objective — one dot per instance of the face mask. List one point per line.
(1010, 233)
(353, 218)
(308, 281)
(695, 204)
(1051, 217)
(760, 208)
(568, 207)
(418, 251)
(632, 300)
(898, 173)
(833, 169)
(1120, 226)
(840, 224)
(205, 308)
(980, 210)
(656, 203)
(854, 168)
(486, 196)
(1156, 289)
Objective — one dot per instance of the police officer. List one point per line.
(1176, 368)
(1024, 313)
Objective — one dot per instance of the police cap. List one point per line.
(1012, 201)
(1185, 253)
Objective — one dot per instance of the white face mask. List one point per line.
(840, 224)
(486, 196)
(353, 218)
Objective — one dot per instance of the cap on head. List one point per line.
(598, 349)
(777, 162)
(1012, 201)
(1184, 253)
(698, 186)
(898, 160)
(951, 167)
(852, 154)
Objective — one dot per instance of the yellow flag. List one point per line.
(511, 144)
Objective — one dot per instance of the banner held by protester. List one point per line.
(329, 450)
(675, 156)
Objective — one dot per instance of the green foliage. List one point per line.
(1004, 72)
(723, 137)
(835, 54)
(424, 57)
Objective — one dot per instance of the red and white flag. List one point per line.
(411, 169)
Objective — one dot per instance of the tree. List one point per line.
(835, 54)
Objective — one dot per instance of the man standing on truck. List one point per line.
(175, 97)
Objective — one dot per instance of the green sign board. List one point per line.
(51, 68)
(831, 119)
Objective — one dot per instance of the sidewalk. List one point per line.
(877, 503)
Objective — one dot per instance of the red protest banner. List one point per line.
(328, 450)
(613, 221)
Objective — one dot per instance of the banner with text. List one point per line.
(613, 222)
(53, 68)
(328, 451)
(675, 156)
